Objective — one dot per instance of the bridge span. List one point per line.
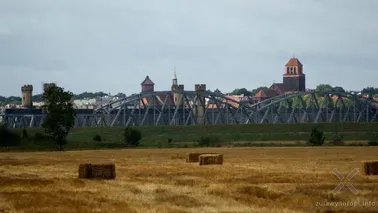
(209, 108)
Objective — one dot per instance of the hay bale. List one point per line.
(85, 170)
(210, 159)
(370, 167)
(97, 171)
(193, 157)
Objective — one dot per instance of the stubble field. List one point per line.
(158, 180)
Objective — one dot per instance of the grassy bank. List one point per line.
(186, 136)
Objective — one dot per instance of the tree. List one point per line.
(242, 91)
(60, 116)
(316, 138)
(371, 91)
(322, 89)
(217, 91)
(8, 138)
(120, 95)
(338, 89)
(132, 136)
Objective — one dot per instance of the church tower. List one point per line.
(174, 78)
(177, 90)
(294, 79)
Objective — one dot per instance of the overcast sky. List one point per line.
(111, 46)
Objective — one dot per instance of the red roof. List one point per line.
(266, 93)
(294, 62)
(147, 81)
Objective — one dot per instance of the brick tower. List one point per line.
(147, 85)
(294, 79)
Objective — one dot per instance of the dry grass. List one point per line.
(250, 180)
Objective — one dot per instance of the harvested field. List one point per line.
(158, 180)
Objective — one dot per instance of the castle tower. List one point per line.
(27, 94)
(147, 85)
(294, 79)
(200, 103)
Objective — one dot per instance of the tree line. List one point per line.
(39, 97)
(320, 89)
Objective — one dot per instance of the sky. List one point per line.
(110, 46)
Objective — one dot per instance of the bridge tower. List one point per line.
(200, 102)
(177, 91)
(27, 94)
(294, 79)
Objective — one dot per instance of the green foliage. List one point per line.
(338, 89)
(25, 133)
(338, 140)
(8, 138)
(39, 136)
(132, 136)
(322, 89)
(39, 97)
(60, 114)
(316, 137)
(241, 91)
(170, 140)
(373, 140)
(211, 140)
(371, 91)
(97, 138)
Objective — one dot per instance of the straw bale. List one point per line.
(85, 170)
(370, 167)
(193, 157)
(210, 159)
(97, 171)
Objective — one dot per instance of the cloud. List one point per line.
(98, 45)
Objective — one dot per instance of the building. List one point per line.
(294, 80)
(147, 85)
(177, 90)
(27, 94)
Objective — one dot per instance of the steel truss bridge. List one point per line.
(208, 108)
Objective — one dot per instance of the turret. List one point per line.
(147, 85)
(178, 94)
(200, 87)
(200, 102)
(27, 94)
